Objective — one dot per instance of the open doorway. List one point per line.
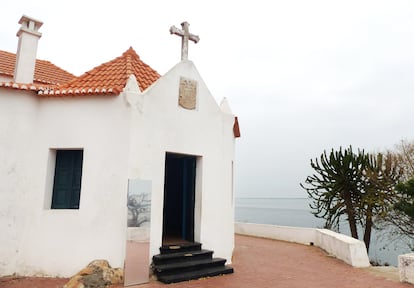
(179, 198)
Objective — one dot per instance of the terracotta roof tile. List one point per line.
(108, 78)
(45, 71)
(236, 128)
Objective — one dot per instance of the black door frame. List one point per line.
(179, 197)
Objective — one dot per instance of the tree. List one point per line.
(378, 194)
(358, 186)
(399, 221)
(401, 217)
(336, 186)
(406, 203)
(404, 153)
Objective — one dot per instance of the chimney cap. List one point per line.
(28, 18)
(29, 23)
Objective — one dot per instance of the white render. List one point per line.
(26, 50)
(123, 137)
(406, 267)
(351, 251)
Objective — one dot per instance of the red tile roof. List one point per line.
(45, 71)
(109, 78)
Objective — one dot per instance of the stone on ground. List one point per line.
(97, 274)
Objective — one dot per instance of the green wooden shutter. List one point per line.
(68, 178)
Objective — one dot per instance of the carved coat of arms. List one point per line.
(188, 93)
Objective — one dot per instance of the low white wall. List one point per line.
(348, 249)
(284, 233)
(406, 267)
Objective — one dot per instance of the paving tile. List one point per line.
(259, 262)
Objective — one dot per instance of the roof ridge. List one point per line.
(128, 56)
(45, 71)
(109, 77)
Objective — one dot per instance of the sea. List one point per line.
(296, 212)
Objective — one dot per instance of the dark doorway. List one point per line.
(179, 197)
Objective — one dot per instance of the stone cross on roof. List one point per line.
(185, 35)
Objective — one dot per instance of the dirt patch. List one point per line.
(32, 282)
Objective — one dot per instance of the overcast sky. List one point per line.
(302, 76)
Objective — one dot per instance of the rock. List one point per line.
(97, 274)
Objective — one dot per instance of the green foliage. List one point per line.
(399, 221)
(378, 193)
(406, 203)
(356, 186)
(335, 187)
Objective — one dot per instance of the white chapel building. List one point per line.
(82, 157)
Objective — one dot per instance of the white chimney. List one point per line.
(26, 50)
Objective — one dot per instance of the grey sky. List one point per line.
(302, 76)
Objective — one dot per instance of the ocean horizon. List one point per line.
(296, 212)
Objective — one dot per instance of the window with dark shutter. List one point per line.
(67, 180)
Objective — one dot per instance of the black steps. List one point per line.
(191, 275)
(188, 266)
(181, 256)
(188, 261)
(183, 247)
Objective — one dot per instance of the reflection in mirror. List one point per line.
(137, 262)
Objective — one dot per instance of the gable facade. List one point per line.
(123, 132)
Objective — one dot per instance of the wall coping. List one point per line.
(351, 251)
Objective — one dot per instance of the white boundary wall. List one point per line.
(348, 249)
(406, 267)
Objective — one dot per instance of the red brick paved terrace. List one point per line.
(264, 263)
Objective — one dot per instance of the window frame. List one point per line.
(67, 179)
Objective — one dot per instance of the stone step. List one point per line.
(181, 257)
(190, 275)
(182, 247)
(166, 269)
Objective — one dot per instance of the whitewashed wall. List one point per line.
(44, 241)
(163, 126)
(17, 118)
(406, 267)
(123, 137)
